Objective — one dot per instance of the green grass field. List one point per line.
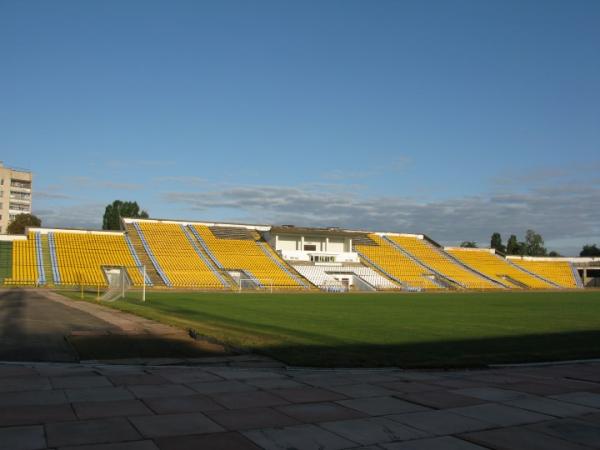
(406, 330)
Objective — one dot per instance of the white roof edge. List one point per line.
(12, 237)
(557, 258)
(468, 249)
(391, 233)
(66, 230)
(208, 224)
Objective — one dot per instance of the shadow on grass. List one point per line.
(445, 354)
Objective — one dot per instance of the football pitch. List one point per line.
(375, 330)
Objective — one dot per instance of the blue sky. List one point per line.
(455, 119)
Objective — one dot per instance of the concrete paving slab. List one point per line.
(362, 390)
(440, 423)
(182, 404)
(251, 418)
(135, 445)
(410, 386)
(33, 398)
(217, 387)
(440, 399)
(275, 383)
(320, 412)
(137, 379)
(100, 394)
(437, 443)
(491, 394)
(307, 395)
(305, 437)
(572, 430)
(175, 425)
(251, 399)
(380, 406)
(22, 438)
(517, 438)
(79, 382)
(217, 441)
(500, 415)
(101, 431)
(17, 371)
(245, 374)
(25, 383)
(374, 430)
(186, 375)
(118, 408)
(36, 414)
(160, 390)
(551, 406)
(594, 418)
(581, 398)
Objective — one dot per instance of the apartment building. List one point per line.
(15, 194)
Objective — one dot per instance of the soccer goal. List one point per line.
(252, 284)
(119, 282)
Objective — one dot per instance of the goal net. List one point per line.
(119, 282)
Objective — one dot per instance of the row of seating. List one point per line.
(177, 257)
(385, 257)
(319, 275)
(198, 256)
(441, 263)
(497, 268)
(246, 254)
(80, 258)
(24, 263)
(559, 272)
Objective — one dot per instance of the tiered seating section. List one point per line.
(177, 257)
(24, 263)
(394, 263)
(318, 275)
(497, 268)
(240, 251)
(558, 272)
(80, 258)
(199, 256)
(441, 263)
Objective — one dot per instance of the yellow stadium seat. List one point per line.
(498, 268)
(441, 263)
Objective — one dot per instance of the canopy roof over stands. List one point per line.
(338, 232)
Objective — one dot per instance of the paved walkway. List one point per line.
(102, 407)
(40, 325)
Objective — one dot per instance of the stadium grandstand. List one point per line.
(171, 254)
(487, 262)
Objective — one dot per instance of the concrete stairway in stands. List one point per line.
(47, 260)
(136, 242)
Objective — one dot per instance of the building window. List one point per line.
(310, 248)
(20, 184)
(17, 207)
(20, 195)
(322, 258)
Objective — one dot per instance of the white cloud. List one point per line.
(571, 211)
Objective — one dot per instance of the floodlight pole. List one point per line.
(144, 286)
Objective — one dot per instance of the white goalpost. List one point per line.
(250, 284)
(119, 282)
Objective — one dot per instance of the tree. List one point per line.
(554, 254)
(468, 244)
(534, 244)
(590, 250)
(21, 222)
(118, 209)
(512, 246)
(496, 243)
